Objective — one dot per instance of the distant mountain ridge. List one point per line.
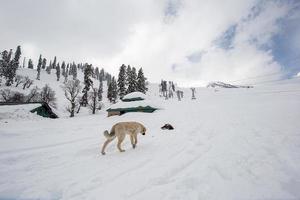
(219, 84)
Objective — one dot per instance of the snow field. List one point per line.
(229, 144)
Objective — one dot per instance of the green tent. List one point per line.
(132, 102)
(44, 110)
(133, 99)
(121, 111)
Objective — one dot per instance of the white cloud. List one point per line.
(148, 34)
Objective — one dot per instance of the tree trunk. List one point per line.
(72, 109)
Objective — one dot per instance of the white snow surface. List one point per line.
(134, 95)
(229, 144)
(19, 112)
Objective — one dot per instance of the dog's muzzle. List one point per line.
(143, 133)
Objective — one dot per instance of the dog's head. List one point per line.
(143, 131)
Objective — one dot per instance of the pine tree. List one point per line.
(74, 72)
(58, 71)
(66, 73)
(102, 73)
(67, 70)
(88, 72)
(63, 68)
(141, 82)
(2, 63)
(5, 64)
(70, 69)
(107, 77)
(132, 85)
(97, 73)
(54, 63)
(44, 62)
(122, 81)
(9, 66)
(30, 64)
(48, 69)
(100, 90)
(128, 74)
(39, 68)
(93, 75)
(14, 64)
(112, 91)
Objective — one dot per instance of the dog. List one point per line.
(120, 130)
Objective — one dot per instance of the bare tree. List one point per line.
(17, 97)
(27, 82)
(34, 95)
(19, 80)
(48, 95)
(72, 88)
(6, 94)
(10, 96)
(93, 102)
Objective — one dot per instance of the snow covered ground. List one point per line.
(227, 144)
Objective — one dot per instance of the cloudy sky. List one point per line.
(188, 41)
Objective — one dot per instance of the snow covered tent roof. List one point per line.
(131, 106)
(23, 110)
(134, 96)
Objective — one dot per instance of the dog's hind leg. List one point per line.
(105, 144)
(120, 140)
(132, 141)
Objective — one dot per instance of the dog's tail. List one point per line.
(109, 135)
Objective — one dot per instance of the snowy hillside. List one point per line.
(51, 80)
(230, 144)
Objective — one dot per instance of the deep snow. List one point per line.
(227, 144)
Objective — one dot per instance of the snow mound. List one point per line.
(19, 112)
(134, 95)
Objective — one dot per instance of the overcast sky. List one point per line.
(188, 41)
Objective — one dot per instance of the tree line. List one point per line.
(128, 81)
(85, 94)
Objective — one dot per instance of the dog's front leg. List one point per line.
(132, 141)
(135, 139)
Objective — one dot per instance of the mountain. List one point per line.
(219, 84)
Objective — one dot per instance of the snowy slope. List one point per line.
(229, 144)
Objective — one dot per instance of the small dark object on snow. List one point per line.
(167, 127)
